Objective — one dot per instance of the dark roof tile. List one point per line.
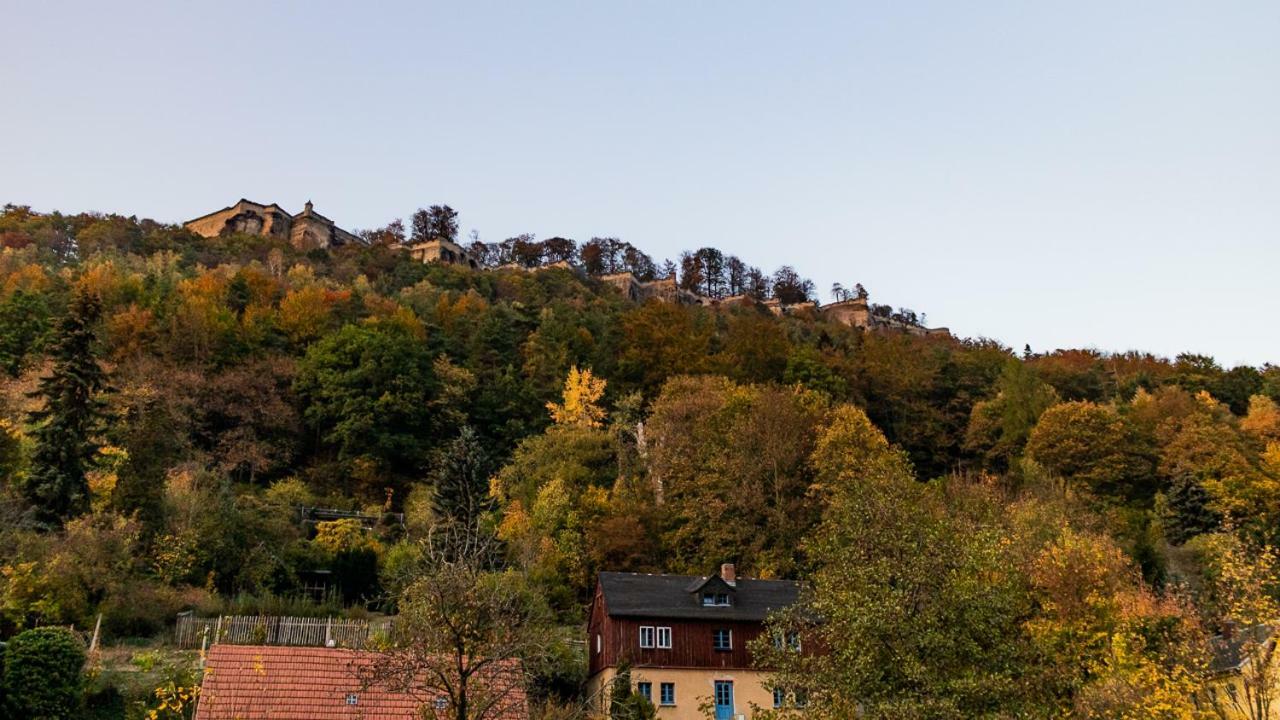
(669, 596)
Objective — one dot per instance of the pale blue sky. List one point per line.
(1099, 174)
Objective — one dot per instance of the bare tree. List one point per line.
(467, 632)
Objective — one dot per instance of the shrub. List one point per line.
(42, 674)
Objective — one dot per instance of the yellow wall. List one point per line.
(1221, 689)
(694, 688)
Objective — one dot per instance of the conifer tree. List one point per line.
(65, 426)
(1188, 512)
(462, 480)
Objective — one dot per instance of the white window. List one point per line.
(352, 699)
(664, 638)
(646, 636)
(599, 644)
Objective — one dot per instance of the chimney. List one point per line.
(729, 574)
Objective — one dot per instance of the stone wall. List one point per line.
(307, 230)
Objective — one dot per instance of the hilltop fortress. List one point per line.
(309, 230)
(855, 312)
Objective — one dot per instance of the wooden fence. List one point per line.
(191, 632)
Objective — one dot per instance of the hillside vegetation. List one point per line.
(988, 533)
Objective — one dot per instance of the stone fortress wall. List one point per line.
(309, 230)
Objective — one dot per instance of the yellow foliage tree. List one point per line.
(582, 393)
(1263, 420)
(1246, 582)
(347, 534)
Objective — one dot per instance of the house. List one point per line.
(1242, 662)
(270, 682)
(307, 230)
(686, 639)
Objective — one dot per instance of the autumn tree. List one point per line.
(729, 466)
(789, 288)
(913, 599)
(67, 425)
(390, 234)
(1245, 583)
(999, 427)
(553, 492)
(438, 222)
(1091, 447)
(469, 631)
(579, 406)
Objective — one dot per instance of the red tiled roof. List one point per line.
(260, 682)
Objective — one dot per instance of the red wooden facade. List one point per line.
(614, 639)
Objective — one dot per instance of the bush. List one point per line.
(144, 609)
(42, 675)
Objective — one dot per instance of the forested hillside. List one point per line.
(990, 530)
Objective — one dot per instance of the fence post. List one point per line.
(217, 634)
(93, 644)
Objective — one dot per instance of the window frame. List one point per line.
(664, 690)
(644, 689)
(715, 640)
(662, 633)
(652, 633)
(779, 698)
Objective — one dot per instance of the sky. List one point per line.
(1058, 174)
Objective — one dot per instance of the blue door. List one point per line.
(724, 699)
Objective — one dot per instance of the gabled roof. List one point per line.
(261, 682)
(671, 596)
(1229, 651)
(710, 583)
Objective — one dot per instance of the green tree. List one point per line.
(461, 480)
(1186, 511)
(554, 489)
(66, 427)
(999, 427)
(624, 702)
(153, 438)
(42, 674)
(24, 322)
(369, 391)
(920, 606)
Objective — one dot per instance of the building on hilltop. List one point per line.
(307, 230)
(442, 250)
(686, 640)
(856, 312)
(663, 289)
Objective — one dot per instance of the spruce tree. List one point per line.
(461, 480)
(65, 426)
(1188, 513)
